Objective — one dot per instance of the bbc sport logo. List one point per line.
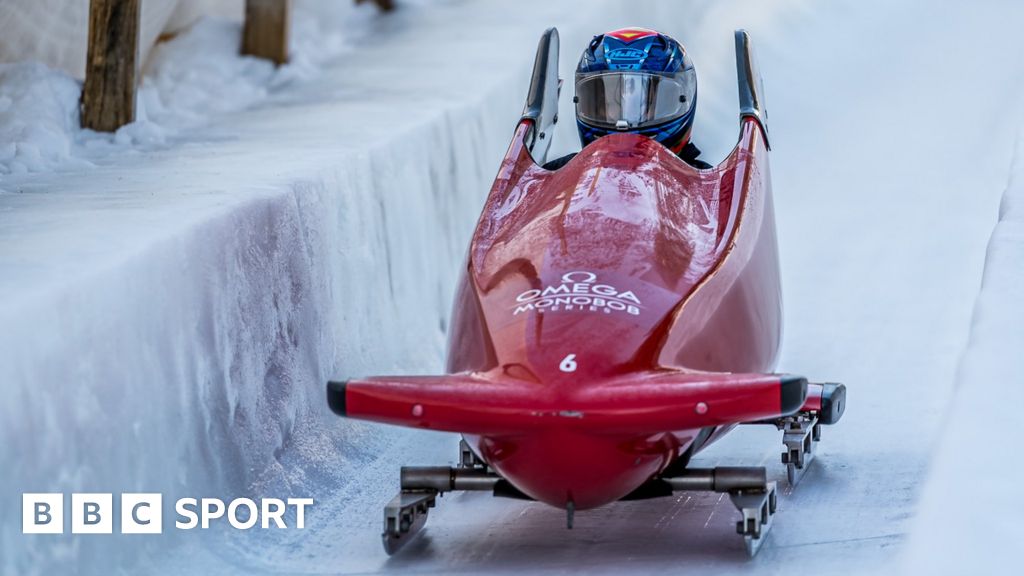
(93, 513)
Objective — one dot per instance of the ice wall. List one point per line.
(172, 312)
(968, 520)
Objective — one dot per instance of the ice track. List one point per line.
(327, 223)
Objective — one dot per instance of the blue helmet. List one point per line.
(638, 81)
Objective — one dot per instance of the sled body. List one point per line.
(614, 316)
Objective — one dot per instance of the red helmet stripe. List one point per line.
(631, 34)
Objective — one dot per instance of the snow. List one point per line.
(172, 313)
(190, 79)
(37, 114)
(55, 32)
(173, 307)
(968, 513)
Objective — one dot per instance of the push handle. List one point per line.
(751, 87)
(542, 99)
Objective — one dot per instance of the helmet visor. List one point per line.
(627, 99)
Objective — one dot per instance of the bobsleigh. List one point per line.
(615, 317)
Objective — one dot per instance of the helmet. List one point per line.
(638, 81)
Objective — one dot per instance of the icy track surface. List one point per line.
(173, 302)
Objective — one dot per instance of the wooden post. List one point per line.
(108, 96)
(266, 29)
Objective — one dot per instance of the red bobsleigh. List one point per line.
(615, 317)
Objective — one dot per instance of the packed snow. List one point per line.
(55, 32)
(189, 80)
(37, 116)
(175, 295)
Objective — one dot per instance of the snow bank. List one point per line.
(171, 313)
(970, 512)
(38, 113)
(189, 80)
(55, 32)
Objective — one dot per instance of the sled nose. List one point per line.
(568, 468)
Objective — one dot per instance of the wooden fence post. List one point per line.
(108, 95)
(266, 29)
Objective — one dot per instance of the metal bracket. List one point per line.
(406, 514)
(757, 508)
(748, 489)
(801, 432)
(404, 517)
(467, 459)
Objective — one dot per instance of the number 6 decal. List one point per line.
(568, 363)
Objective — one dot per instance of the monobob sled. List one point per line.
(615, 316)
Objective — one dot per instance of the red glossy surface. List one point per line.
(642, 221)
(492, 404)
(696, 248)
(813, 400)
(592, 297)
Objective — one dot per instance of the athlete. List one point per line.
(638, 81)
